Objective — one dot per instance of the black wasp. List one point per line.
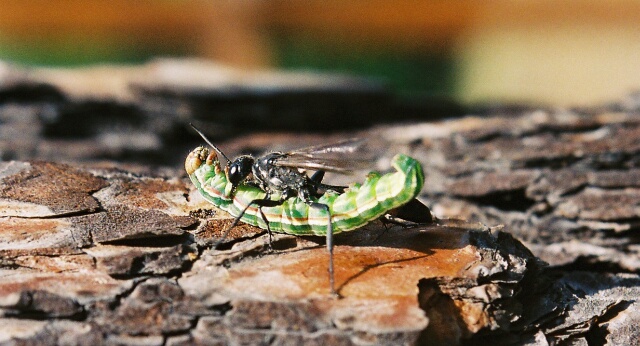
(282, 175)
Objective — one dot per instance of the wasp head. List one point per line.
(239, 169)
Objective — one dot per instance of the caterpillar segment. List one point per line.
(356, 206)
(332, 212)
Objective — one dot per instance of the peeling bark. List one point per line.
(121, 253)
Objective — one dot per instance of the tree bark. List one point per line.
(120, 252)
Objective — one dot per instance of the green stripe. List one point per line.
(358, 205)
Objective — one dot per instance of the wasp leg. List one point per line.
(260, 203)
(329, 242)
(264, 218)
(316, 180)
(336, 188)
(317, 177)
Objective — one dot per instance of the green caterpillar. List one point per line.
(306, 214)
(356, 206)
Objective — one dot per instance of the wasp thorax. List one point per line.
(195, 159)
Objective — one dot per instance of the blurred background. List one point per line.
(535, 51)
(122, 79)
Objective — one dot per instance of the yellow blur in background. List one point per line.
(543, 52)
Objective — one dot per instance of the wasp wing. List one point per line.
(341, 157)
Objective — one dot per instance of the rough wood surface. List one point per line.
(96, 252)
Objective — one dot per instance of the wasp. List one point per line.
(275, 193)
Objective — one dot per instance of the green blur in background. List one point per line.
(560, 53)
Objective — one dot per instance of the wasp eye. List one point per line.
(240, 169)
(235, 174)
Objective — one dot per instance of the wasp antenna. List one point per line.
(209, 142)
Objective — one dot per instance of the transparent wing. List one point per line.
(341, 157)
